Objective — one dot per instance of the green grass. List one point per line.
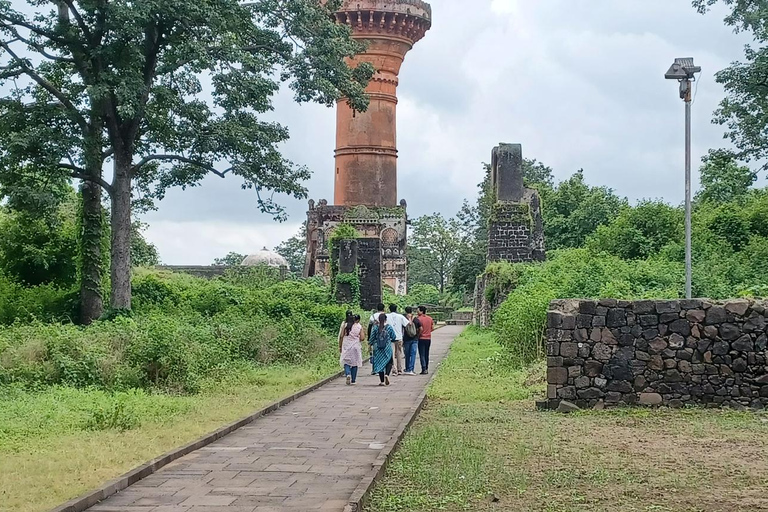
(61, 442)
(480, 445)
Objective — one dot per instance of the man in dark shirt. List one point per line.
(411, 342)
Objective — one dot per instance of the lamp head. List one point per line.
(682, 69)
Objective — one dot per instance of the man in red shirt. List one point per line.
(425, 338)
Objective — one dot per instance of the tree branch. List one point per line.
(38, 47)
(81, 174)
(35, 29)
(80, 23)
(178, 158)
(48, 86)
(153, 41)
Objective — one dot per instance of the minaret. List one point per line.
(366, 142)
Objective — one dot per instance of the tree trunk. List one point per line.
(120, 299)
(91, 264)
(91, 300)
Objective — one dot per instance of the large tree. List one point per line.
(435, 243)
(126, 82)
(294, 250)
(722, 179)
(745, 108)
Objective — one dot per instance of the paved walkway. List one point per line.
(310, 455)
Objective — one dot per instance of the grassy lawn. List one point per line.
(481, 445)
(59, 443)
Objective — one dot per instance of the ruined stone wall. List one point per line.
(657, 353)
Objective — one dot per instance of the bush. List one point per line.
(573, 273)
(45, 303)
(183, 330)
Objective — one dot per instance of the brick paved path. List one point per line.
(310, 455)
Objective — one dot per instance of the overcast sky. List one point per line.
(579, 83)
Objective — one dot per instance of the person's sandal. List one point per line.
(349, 380)
(386, 380)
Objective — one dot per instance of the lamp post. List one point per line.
(683, 70)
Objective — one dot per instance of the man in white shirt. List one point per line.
(398, 323)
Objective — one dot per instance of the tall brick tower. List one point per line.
(366, 142)
(365, 186)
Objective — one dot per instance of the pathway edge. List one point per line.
(91, 498)
(362, 493)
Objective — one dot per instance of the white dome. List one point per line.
(265, 257)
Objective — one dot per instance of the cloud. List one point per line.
(200, 242)
(578, 82)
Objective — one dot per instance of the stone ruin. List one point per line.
(657, 352)
(516, 226)
(365, 187)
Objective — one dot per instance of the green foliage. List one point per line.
(39, 248)
(139, 102)
(573, 273)
(573, 210)
(744, 109)
(343, 232)
(434, 249)
(501, 279)
(353, 280)
(116, 415)
(143, 253)
(183, 330)
(44, 303)
(722, 179)
(294, 250)
(640, 231)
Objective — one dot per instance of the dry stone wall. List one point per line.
(609, 353)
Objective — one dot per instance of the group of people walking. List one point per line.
(394, 341)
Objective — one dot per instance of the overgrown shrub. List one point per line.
(183, 329)
(45, 303)
(573, 273)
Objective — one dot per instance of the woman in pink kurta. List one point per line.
(351, 335)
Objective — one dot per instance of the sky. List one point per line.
(579, 83)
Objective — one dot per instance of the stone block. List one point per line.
(650, 399)
(568, 349)
(557, 375)
(657, 345)
(590, 393)
(667, 306)
(588, 307)
(574, 371)
(641, 307)
(602, 352)
(696, 315)
(716, 315)
(729, 332)
(593, 368)
(582, 382)
(566, 407)
(738, 307)
(616, 318)
(720, 348)
(743, 344)
(682, 327)
(551, 391)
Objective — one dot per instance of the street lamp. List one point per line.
(683, 70)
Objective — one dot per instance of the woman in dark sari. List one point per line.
(382, 336)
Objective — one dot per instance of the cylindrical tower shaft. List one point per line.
(366, 142)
